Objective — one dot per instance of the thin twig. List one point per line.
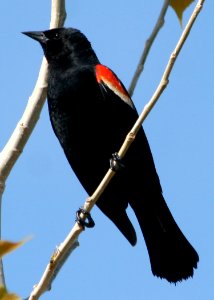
(70, 242)
(25, 126)
(147, 47)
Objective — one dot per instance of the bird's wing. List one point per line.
(107, 78)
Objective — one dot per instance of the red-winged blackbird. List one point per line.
(91, 112)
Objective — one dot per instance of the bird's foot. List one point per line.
(116, 163)
(84, 218)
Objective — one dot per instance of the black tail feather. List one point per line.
(171, 256)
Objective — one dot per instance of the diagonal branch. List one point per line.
(148, 45)
(70, 243)
(25, 126)
(148, 107)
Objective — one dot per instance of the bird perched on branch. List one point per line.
(91, 113)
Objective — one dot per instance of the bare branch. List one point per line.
(58, 13)
(147, 47)
(148, 107)
(25, 126)
(70, 242)
(51, 271)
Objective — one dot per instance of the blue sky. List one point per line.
(42, 193)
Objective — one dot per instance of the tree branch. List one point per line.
(25, 126)
(70, 242)
(147, 47)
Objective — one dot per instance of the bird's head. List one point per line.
(60, 43)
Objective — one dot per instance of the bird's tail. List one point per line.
(171, 255)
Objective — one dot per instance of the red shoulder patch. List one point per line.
(106, 76)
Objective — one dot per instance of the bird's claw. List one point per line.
(86, 220)
(115, 162)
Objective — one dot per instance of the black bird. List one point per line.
(91, 112)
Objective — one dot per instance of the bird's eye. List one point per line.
(56, 35)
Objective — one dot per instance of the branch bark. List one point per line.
(70, 243)
(148, 45)
(25, 126)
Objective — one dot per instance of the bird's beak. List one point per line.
(37, 35)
